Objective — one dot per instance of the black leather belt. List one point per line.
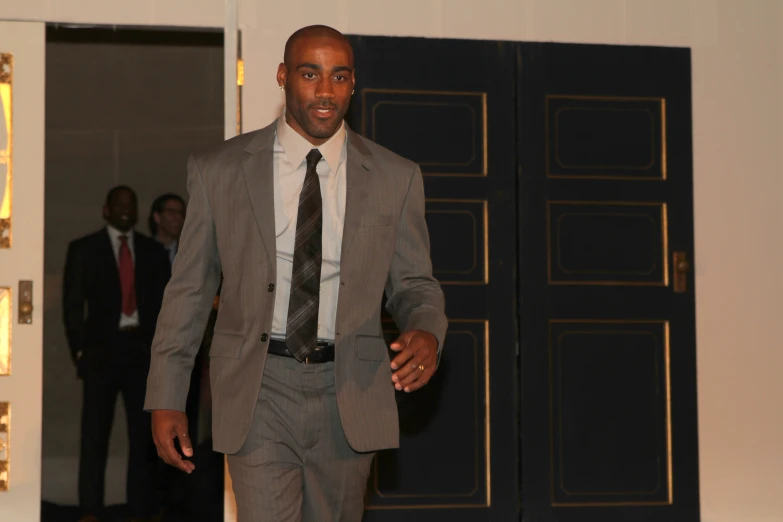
(324, 352)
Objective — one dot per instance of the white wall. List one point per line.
(738, 152)
(192, 13)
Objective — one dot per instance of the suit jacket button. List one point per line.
(271, 287)
(264, 338)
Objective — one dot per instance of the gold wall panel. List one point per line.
(404, 121)
(562, 496)
(5, 431)
(6, 134)
(605, 137)
(6, 312)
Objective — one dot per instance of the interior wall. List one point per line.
(187, 13)
(116, 113)
(737, 110)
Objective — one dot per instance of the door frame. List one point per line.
(21, 388)
(28, 229)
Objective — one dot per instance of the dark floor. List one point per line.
(55, 513)
(185, 498)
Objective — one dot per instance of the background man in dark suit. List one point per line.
(167, 216)
(113, 288)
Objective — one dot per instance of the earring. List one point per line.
(282, 87)
(353, 92)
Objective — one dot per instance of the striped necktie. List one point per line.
(302, 325)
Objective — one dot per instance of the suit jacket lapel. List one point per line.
(258, 171)
(141, 258)
(110, 263)
(358, 169)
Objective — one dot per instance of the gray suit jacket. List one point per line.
(230, 228)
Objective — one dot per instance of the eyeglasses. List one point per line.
(173, 211)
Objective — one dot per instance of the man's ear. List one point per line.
(282, 75)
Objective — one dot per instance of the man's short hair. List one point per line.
(157, 207)
(119, 188)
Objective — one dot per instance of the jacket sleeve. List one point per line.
(187, 301)
(73, 300)
(414, 297)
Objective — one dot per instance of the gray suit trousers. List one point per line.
(296, 465)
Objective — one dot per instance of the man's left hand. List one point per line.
(417, 360)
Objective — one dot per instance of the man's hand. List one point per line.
(417, 360)
(168, 425)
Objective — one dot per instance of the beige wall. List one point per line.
(202, 13)
(738, 147)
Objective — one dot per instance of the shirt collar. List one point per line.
(115, 234)
(296, 147)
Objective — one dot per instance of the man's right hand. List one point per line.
(168, 425)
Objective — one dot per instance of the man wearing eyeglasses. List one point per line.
(165, 222)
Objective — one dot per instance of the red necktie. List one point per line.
(127, 278)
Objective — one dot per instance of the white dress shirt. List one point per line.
(114, 235)
(290, 151)
(171, 251)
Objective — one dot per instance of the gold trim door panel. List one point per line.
(457, 456)
(628, 462)
(6, 148)
(559, 186)
(607, 314)
(22, 51)
(629, 142)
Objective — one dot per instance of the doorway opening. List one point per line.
(124, 106)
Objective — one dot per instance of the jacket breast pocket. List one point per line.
(375, 220)
(226, 345)
(371, 348)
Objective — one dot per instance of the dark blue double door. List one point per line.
(559, 203)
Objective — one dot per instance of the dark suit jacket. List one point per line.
(92, 278)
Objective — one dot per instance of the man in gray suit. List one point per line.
(309, 224)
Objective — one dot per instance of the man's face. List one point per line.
(121, 211)
(318, 84)
(171, 218)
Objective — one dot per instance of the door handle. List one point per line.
(681, 269)
(25, 302)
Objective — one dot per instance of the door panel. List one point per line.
(22, 47)
(604, 202)
(434, 102)
(608, 346)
